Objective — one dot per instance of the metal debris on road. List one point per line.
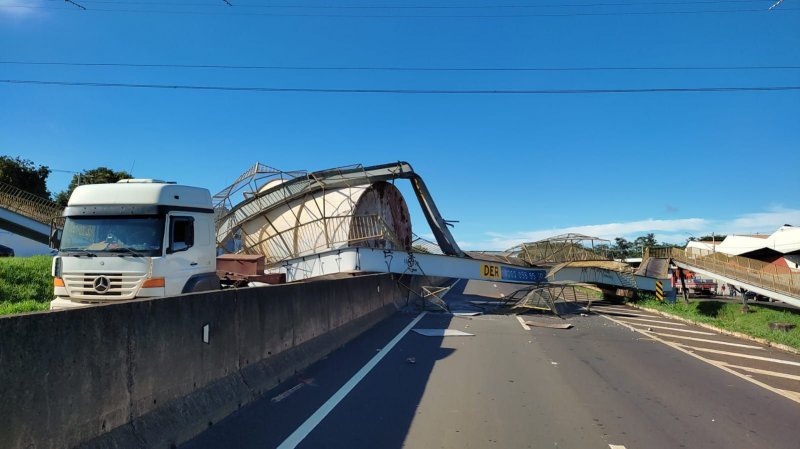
(289, 392)
(548, 325)
(442, 333)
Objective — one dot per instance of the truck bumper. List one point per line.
(64, 303)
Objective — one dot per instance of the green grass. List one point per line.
(593, 293)
(25, 284)
(728, 316)
(7, 308)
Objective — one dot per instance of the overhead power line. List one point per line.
(413, 16)
(75, 4)
(774, 5)
(402, 69)
(435, 7)
(410, 91)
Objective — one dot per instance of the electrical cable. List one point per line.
(412, 16)
(400, 69)
(408, 91)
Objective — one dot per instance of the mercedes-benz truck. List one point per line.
(136, 238)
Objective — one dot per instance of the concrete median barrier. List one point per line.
(141, 374)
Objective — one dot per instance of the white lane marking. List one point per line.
(597, 309)
(705, 340)
(745, 356)
(791, 394)
(653, 321)
(522, 323)
(302, 432)
(763, 371)
(619, 308)
(720, 365)
(669, 328)
(616, 446)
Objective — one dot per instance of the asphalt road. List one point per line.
(597, 385)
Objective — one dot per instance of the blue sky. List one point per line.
(509, 167)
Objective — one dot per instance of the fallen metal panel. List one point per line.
(549, 325)
(654, 268)
(442, 333)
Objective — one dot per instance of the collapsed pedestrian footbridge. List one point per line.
(352, 220)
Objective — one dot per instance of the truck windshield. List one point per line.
(127, 235)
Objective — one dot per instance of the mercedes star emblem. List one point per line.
(101, 284)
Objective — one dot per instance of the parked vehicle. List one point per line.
(137, 238)
(694, 285)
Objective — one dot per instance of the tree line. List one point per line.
(32, 178)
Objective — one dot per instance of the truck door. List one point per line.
(183, 255)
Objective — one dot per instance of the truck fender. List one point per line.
(202, 282)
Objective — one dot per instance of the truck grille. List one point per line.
(103, 286)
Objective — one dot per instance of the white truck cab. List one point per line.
(134, 239)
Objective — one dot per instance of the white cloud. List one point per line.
(669, 231)
(18, 9)
(762, 222)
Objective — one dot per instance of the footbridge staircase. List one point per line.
(773, 281)
(26, 214)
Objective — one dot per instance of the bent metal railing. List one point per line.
(27, 204)
(769, 276)
(324, 234)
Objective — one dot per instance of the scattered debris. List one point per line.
(289, 392)
(411, 360)
(784, 327)
(548, 325)
(554, 363)
(443, 333)
(486, 303)
(584, 314)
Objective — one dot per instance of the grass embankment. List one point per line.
(25, 284)
(591, 292)
(728, 316)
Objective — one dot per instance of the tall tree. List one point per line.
(25, 175)
(622, 248)
(99, 175)
(642, 242)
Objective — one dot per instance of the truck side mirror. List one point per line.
(55, 235)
